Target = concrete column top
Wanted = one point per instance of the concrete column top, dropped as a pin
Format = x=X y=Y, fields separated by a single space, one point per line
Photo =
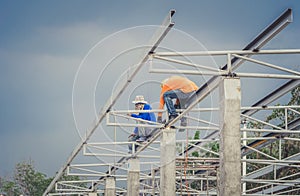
x=134 y=164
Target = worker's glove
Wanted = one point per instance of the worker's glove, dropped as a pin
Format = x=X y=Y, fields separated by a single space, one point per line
x=159 y=119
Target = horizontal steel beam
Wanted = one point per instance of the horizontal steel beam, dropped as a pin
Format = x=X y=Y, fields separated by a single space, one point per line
x=157 y=38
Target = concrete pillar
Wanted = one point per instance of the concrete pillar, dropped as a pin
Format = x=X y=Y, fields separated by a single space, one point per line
x=133 y=180
x=167 y=162
x=110 y=186
x=230 y=138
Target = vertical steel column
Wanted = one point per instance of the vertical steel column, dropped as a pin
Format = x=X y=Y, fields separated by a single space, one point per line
x=230 y=137
x=110 y=186
x=167 y=161
x=133 y=179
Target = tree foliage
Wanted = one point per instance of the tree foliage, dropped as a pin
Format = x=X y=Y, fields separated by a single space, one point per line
x=27 y=181
x=9 y=188
x=281 y=148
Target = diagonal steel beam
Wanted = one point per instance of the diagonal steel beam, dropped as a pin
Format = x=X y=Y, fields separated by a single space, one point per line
x=274 y=95
x=157 y=38
x=256 y=44
x=204 y=90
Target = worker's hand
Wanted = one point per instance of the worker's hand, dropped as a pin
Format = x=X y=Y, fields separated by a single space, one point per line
x=159 y=119
x=131 y=135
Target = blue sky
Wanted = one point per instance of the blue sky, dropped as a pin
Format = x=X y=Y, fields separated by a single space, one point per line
x=43 y=44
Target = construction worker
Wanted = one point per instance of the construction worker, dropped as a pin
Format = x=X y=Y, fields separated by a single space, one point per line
x=179 y=88
x=140 y=134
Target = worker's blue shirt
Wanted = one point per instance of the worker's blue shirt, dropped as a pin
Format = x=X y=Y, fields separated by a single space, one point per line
x=150 y=116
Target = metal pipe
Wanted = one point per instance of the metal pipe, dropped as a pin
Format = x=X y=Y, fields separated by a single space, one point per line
x=227 y=52
x=166 y=26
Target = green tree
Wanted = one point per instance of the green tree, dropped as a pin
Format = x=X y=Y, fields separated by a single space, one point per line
x=280 y=117
x=9 y=187
x=28 y=181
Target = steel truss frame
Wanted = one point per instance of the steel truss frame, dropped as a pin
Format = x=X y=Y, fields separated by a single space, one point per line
x=198 y=169
x=154 y=42
x=241 y=55
x=195 y=164
x=271 y=162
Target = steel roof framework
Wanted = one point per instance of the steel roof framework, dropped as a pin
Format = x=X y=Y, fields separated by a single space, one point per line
x=156 y=39
x=234 y=60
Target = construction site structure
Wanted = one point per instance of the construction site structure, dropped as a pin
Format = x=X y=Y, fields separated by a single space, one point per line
x=165 y=165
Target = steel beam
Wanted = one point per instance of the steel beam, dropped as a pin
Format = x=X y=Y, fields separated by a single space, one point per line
x=155 y=41
x=256 y=44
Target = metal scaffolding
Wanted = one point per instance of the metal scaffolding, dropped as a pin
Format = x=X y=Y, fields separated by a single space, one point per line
x=198 y=170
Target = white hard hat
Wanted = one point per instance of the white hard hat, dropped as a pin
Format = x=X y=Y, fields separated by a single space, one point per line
x=139 y=99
